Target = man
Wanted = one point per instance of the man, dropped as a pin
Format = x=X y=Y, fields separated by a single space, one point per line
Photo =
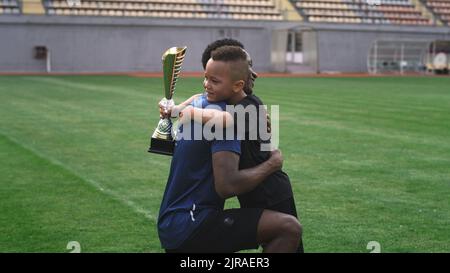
x=275 y=193
x=204 y=173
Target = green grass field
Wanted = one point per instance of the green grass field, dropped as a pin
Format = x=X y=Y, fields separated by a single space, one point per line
x=369 y=160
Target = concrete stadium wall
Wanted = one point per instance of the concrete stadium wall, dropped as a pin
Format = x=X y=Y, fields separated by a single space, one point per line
x=96 y=44
x=345 y=48
x=110 y=44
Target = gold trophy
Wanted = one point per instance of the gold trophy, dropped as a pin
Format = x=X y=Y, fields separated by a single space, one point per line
x=162 y=141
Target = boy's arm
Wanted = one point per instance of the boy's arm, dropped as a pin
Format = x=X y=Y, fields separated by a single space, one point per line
x=206 y=115
x=229 y=181
x=165 y=113
x=186 y=113
x=189 y=101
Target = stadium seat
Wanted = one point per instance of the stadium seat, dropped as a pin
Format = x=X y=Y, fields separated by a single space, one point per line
x=440 y=8
x=225 y=9
x=353 y=11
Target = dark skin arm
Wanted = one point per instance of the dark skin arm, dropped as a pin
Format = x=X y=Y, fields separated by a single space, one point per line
x=230 y=181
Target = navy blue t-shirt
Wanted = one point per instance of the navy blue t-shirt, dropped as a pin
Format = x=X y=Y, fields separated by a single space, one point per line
x=190 y=193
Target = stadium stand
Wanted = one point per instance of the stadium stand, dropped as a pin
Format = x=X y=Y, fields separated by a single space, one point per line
x=10 y=7
x=393 y=12
x=401 y=12
x=226 y=9
x=441 y=9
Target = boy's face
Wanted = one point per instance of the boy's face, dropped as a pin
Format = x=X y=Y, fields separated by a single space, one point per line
x=218 y=84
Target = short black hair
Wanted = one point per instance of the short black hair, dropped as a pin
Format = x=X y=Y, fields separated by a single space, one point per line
x=216 y=44
x=250 y=82
x=229 y=54
x=238 y=59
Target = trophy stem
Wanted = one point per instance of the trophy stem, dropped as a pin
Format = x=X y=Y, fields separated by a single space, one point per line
x=164 y=130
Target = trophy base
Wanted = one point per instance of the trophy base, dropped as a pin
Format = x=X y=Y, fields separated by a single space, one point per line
x=160 y=146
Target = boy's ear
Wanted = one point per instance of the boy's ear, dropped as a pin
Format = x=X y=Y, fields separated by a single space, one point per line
x=238 y=86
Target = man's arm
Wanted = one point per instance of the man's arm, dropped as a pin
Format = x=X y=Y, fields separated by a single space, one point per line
x=230 y=181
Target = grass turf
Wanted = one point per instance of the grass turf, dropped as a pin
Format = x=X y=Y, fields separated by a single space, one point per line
x=368 y=159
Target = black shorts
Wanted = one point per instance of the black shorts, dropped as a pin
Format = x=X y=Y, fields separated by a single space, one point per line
x=287 y=206
x=224 y=232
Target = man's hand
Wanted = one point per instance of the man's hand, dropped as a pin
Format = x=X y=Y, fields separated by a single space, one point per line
x=230 y=181
x=276 y=160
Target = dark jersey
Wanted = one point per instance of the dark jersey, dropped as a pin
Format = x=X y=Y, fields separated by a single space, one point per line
x=277 y=187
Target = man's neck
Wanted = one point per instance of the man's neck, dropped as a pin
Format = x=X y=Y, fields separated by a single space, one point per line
x=237 y=98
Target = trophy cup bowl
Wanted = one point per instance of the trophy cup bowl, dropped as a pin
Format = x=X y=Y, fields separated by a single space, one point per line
x=162 y=140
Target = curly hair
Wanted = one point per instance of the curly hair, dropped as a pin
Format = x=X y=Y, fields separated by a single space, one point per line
x=215 y=45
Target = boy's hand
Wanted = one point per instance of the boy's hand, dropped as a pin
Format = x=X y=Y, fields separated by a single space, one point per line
x=186 y=114
x=165 y=108
x=276 y=160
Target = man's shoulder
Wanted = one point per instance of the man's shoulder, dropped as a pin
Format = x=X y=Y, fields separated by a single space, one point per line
x=250 y=100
